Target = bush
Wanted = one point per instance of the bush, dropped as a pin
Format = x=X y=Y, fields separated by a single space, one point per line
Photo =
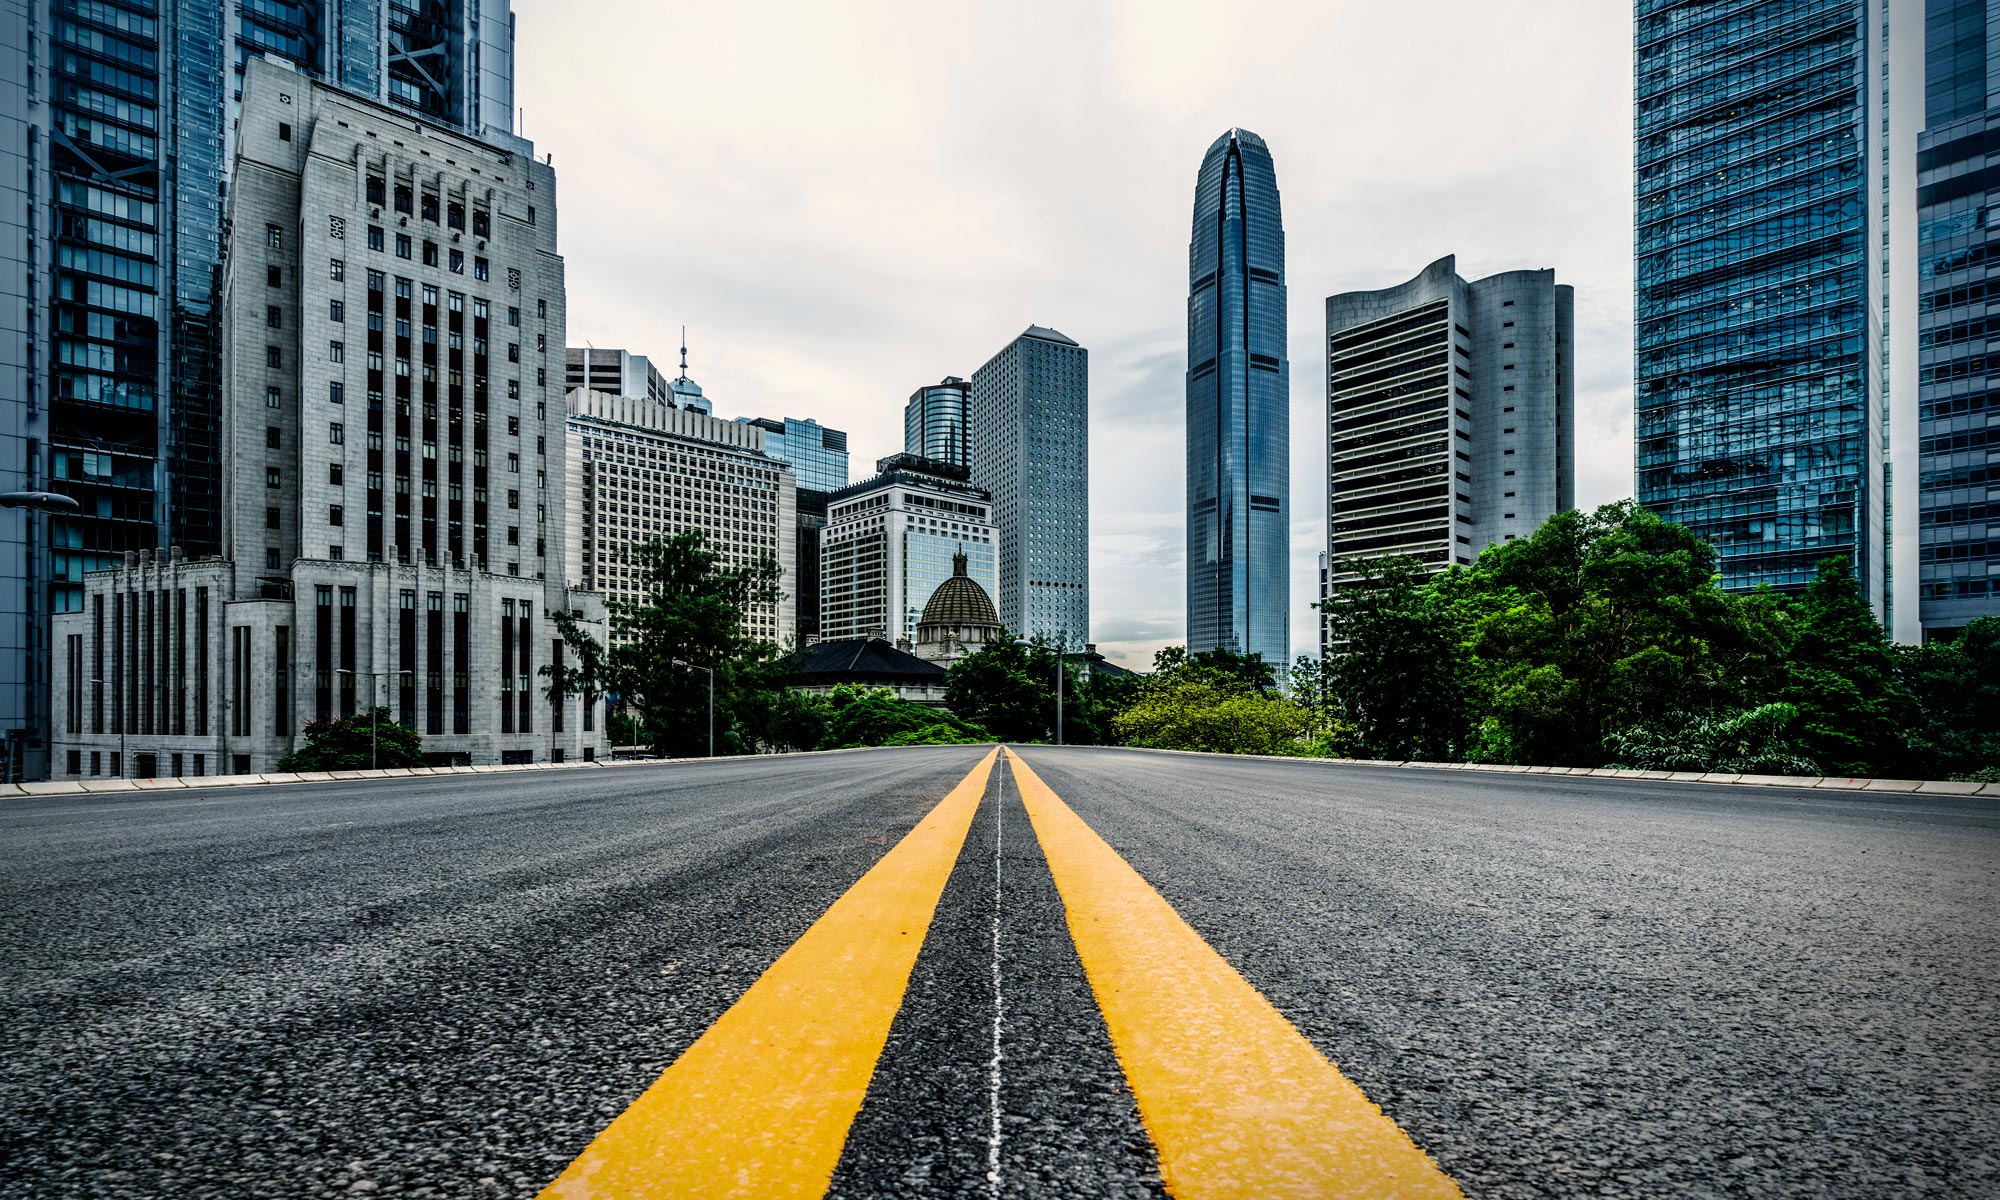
x=343 y=745
x=1754 y=742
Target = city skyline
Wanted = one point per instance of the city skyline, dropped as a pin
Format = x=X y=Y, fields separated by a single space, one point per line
x=813 y=290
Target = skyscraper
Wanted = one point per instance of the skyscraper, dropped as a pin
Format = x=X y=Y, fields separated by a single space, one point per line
x=1238 y=408
x=890 y=541
x=1030 y=447
x=1451 y=410
x=1760 y=283
x=818 y=454
x=1958 y=256
x=936 y=424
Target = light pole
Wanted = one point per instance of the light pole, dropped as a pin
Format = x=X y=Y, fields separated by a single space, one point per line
x=711 y=699
x=34 y=502
x=372 y=676
x=1062 y=651
x=118 y=715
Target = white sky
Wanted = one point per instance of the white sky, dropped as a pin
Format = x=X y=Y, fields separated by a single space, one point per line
x=846 y=201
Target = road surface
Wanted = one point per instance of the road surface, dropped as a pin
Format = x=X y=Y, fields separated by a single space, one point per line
x=1092 y=977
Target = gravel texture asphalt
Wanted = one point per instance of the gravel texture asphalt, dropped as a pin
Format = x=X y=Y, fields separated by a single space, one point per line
x=446 y=987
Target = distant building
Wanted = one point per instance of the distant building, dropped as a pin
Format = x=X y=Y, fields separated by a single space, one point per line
x=1958 y=415
x=1239 y=536
x=1451 y=413
x=870 y=663
x=818 y=455
x=644 y=472
x=936 y=422
x=805 y=586
x=1030 y=448
x=615 y=373
x=959 y=618
x=889 y=542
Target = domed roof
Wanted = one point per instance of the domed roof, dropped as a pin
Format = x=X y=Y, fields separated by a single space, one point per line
x=960 y=601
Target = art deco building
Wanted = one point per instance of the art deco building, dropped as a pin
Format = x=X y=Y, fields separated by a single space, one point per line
x=1031 y=450
x=1761 y=234
x=1238 y=408
x=392 y=317
x=645 y=471
x=937 y=422
x=890 y=541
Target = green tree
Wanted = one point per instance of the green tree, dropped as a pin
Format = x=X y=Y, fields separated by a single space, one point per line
x=1396 y=667
x=342 y=744
x=864 y=716
x=1855 y=708
x=1758 y=741
x=1205 y=710
x=1955 y=685
x=1007 y=687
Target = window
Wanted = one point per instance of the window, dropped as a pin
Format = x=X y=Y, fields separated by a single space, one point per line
x=479 y=268
x=274 y=276
x=513 y=315
x=430 y=253
x=274 y=237
x=272 y=518
x=430 y=207
x=531 y=214
x=402 y=245
x=430 y=297
x=335 y=475
x=513 y=535
x=336 y=311
x=270 y=558
x=272 y=478
x=336 y=433
x=478 y=309
x=273 y=357
x=454 y=215
x=513 y=498
x=374 y=237
x=402 y=198
x=377 y=192
x=274 y=438
x=455 y=301
x=480 y=224
x=542 y=309
x=336 y=269
x=513 y=352
x=336 y=351
x=335 y=394
x=270 y=397
x=403 y=293
x=334 y=514
x=514 y=426
x=514 y=463
x=457 y=261
x=336 y=553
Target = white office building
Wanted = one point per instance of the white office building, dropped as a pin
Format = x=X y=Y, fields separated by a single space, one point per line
x=891 y=540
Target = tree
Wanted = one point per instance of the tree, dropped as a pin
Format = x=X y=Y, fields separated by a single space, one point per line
x=1755 y=742
x=1007 y=687
x=1855 y=708
x=1955 y=686
x=690 y=615
x=342 y=744
x=1396 y=668
x=864 y=716
x=1215 y=701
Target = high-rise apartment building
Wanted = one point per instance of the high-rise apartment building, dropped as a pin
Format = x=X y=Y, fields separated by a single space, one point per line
x=644 y=472
x=1761 y=282
x=1238 y=408
x=1451 y=415
x=890 y=541
x=1030 y=449
x=392 y=313
x=818 y=455
x=937 y=424
x=615 y=373
x=1958 y=274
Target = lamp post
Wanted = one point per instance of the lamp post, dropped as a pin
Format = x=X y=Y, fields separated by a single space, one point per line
x=34 y=502
x=1062 y=652
x=711 y=699
x=372 y=677
x=118 y=714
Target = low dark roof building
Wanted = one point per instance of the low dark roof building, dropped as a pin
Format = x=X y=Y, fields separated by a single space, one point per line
x=869 y=662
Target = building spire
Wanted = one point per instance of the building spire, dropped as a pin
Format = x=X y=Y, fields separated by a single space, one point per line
x=684 y=352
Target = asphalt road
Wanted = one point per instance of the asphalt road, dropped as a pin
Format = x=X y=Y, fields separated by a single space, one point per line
x=448 y=987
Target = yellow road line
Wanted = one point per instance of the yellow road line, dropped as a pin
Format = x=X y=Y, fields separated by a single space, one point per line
x=1238 y=1103
x=761 y=1103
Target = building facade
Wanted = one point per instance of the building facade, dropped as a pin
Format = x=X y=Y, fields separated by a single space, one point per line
x=937 y=422
x=1238 y=408
x=889 y=542
x=1958 y=269
x=615 y=373
x=392 y=313
x=1451 y=415
x=1031 y=450
x=645 y=472
x=818 y=455
x=1761 y=246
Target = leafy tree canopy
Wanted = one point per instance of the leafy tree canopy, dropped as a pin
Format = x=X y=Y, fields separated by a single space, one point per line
x=342 y=744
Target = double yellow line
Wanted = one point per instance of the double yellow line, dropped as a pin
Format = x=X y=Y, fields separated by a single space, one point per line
x=1237 y=1102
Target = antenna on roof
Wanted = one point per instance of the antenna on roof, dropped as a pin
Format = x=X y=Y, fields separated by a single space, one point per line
x=684 y=351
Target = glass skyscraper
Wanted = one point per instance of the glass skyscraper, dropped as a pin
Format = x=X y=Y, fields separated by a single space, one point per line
x=1238 y=408
x=935 y=422
x=1958 y=272
x=818 y=455
x=1760 y=280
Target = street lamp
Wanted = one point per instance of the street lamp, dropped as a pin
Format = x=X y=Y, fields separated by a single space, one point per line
x=711 y=699
x=372 y=676
x=118 y=714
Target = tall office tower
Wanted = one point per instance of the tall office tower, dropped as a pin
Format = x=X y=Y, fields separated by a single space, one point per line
x=936 y=424
x=644 y=472
x=889 y=542
x=1761 y=282
x=1031 y=449
x=392 y=314
x=818 y=455
x=615 y=373
x=1451 y=415
x=1958 y=254
x=1238 y=408
x=23 y=752
x=810 y=506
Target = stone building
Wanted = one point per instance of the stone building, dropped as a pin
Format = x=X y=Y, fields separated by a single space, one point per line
x=392 y=327
x=958 y=620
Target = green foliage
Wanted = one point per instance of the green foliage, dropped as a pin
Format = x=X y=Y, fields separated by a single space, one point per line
x=1214 y=702
x=1854 y=705
x=1955 y=687
x=1399 y=670
x=864 y=716
x=1008 y=687
x=1753 y=742
x=343 y=745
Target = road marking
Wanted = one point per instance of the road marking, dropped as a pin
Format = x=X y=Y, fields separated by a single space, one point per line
x=1238 y=1103
x=999 y=1003
x=761 y=1103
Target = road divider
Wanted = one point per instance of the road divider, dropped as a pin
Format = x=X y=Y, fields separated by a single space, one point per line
x=761 y=1103
x=1237 y=1102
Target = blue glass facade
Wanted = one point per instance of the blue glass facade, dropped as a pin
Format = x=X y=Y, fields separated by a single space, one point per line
x=818 y=455
x=1758 y=284
x=1958 y=272
x=937 y=422
x=1238 y=408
